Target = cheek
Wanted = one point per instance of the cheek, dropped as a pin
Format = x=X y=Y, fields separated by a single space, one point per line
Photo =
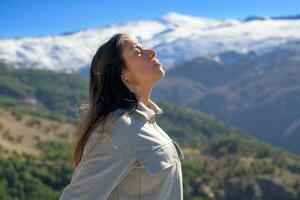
x=143 y=73
x=141 y=67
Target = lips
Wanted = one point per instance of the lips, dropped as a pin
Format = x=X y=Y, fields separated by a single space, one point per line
x=156 y=61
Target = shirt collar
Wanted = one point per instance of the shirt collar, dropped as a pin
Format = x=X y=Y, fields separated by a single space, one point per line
x=150 y=111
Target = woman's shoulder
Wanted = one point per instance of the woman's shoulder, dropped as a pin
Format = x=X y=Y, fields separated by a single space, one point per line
x=122 y=119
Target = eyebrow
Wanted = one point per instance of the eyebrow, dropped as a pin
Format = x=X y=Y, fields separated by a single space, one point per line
x=135 y=45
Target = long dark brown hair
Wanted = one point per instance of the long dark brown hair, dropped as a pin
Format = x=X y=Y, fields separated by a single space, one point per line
x=107 y=92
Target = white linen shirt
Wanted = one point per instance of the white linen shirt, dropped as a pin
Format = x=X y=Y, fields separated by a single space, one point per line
x=131 y=159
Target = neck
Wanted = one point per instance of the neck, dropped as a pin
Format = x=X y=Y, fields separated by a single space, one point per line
x=144 y=95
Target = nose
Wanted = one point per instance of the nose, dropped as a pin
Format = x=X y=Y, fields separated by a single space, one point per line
x=151 y=53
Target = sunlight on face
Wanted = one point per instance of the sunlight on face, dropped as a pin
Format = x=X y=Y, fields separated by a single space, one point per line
x=142 y=66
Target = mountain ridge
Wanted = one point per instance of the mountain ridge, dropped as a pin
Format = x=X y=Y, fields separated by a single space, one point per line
x=171 y=35
x=257 y=93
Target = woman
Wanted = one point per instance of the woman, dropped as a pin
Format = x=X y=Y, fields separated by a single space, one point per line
x=121 y=153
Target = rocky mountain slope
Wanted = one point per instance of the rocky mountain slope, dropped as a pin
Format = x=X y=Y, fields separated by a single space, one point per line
x=258 y=93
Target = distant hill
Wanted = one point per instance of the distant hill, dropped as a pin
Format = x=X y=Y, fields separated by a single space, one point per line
x=258 y=93
x=45 y=93
x=21 y=132
x=287 y=17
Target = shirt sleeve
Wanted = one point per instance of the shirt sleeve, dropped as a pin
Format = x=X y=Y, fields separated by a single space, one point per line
x=102 y=170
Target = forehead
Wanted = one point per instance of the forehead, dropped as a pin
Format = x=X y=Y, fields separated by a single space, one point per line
x=128 y=44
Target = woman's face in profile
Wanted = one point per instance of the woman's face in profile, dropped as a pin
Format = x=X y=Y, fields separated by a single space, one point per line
x=142 y=66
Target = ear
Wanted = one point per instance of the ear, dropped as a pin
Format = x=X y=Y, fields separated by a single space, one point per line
x=123 y=77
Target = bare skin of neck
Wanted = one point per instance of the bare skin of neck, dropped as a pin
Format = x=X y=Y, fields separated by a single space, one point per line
x=143 y=92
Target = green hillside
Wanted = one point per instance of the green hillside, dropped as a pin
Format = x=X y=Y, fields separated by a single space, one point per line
x=258 y=93
x=40 y=92
x=229 y=164
x=221 y=162
x=225 y=165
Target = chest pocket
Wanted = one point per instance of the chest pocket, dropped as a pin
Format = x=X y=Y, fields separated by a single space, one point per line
x=160 y=158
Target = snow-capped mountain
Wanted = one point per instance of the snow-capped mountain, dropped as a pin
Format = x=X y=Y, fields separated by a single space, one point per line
x=175 y=37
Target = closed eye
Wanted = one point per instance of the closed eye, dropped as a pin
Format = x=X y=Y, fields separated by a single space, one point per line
x=138 y=52
x=137 y=49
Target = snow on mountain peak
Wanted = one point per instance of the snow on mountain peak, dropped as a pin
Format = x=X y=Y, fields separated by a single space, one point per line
x=176 y=38
x=177 y=17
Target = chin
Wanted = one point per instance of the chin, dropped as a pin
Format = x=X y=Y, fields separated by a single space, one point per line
x=159 y=76
x=162 y=74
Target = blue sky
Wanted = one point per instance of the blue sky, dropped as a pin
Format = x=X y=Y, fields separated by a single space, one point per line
x=29 y=18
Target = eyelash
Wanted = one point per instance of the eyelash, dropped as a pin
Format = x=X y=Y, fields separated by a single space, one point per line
x=139 y=52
